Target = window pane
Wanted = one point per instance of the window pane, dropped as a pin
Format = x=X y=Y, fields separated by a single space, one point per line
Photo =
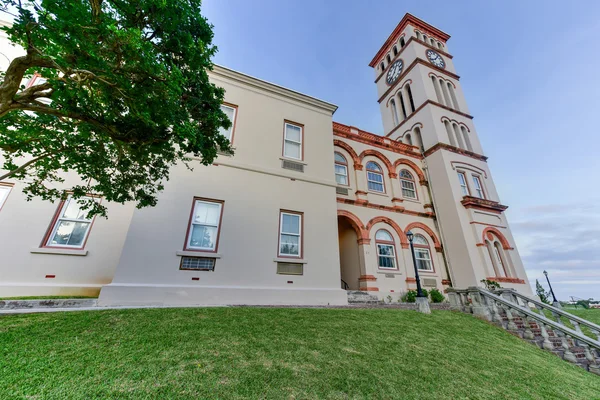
x=293 y=132
x=70 y=233
x=289 y=245
x=207 y=213
x=203 y=236
x=72 y=210
x=340 y=158
x=405 y=174
x=340 y=169
x=290 y=223
x=424 y=265
x=422 y=254
x=229 y=111
x=387 y=262
x=419 y=239
x=377 y=187
x=373 y=166
x=292 y=150
x=385 y=250
x=383 y=235
x=375 y=177
x=341 y=179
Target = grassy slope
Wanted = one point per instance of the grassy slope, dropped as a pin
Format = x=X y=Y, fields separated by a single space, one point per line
x=592 y=314
x=276 y=353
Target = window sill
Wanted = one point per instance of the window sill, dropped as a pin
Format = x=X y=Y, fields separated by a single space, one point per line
x=188 y=253
x=378 y=193
x=293 y=160
x=60 y=252
x=290 y=260
x=390 y=272
x=411 y=200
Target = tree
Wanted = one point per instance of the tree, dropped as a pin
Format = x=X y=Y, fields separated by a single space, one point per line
x=541 y=292
x=125 y=96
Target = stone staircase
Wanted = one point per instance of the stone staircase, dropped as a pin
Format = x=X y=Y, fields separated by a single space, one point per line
x=569 y=337
x=359 y=297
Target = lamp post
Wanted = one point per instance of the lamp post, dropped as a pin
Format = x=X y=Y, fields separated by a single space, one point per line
x=555 y=302
x=422 y=301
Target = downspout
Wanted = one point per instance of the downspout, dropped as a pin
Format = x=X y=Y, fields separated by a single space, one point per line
x=438 y=224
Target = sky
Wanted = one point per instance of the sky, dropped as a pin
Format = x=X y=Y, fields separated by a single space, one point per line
x=529 y=71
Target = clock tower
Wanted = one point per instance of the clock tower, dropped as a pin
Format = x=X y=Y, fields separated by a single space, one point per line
x=422 y=104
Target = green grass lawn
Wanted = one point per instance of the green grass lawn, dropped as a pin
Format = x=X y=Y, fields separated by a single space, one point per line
x=592 y=314
x=276 y=353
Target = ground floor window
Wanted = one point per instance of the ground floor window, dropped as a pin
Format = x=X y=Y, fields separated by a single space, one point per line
x=70 y=226
x=386 y=250
x=290 y=234
x=422 y=253
x=204 y=226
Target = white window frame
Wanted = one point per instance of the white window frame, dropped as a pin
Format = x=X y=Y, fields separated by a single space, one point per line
x=478 y=187
x=299 y=234
x=343 y=165
x=385 y=243
x=58 y=218
x=428 y=260
x=412 y=186
x=231 y=128
x=4 y=193
x=191 y=224
x=374 y=172
x=286 y=140
x=462 y=181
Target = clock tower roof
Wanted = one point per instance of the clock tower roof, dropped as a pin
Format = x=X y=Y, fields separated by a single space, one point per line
x=408 y=19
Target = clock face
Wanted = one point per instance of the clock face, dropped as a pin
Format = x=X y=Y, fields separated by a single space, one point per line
x=394 y=72
x=435 y=59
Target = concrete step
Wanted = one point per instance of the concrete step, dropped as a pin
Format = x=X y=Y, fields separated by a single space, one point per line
x=360 y=297
x=47 y=303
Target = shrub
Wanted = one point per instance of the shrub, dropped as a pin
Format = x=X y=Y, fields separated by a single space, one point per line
x=490 y=285
x=436 y=296
x=411 y=296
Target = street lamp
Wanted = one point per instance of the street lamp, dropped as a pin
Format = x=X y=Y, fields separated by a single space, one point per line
x=410 y=237
x=555 y=302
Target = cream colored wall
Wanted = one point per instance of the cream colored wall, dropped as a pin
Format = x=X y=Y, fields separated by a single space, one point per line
x=349 y=254
x=25 y=265
x=254 y=189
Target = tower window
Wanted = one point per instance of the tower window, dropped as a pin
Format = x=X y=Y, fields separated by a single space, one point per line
x=410 y=98
x=408 y=139
x=478 y=187
x=404 y=113
x=375 y=177
x=382 y=65
x=402 y=42
x=341 y=169
x=462 y=180
x=408 y=185
x=394 y=112
x=395 y=51
x=386 y=250
x=389 y=59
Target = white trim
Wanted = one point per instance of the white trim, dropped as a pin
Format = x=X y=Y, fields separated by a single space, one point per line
x=290 y=260
x=4 y=193
x=232 y=120
x=286 y=140
x=202 y=254
x=281 y=233
x=59 y=251
x=60 y=219
x=191 y=225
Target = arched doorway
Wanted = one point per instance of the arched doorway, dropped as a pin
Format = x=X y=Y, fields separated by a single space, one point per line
x=349 y=253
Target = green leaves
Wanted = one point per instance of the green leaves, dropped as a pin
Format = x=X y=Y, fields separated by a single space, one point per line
x=127 y=96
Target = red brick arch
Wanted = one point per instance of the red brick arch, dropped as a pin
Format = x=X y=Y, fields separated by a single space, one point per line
x=395 y=226
x=361 y=232
x=384 y=159
x=350 y=150
x=436 y=241
x=489 y=231
x=415 y=167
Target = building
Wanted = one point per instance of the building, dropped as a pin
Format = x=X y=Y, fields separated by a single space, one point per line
x=306 y=209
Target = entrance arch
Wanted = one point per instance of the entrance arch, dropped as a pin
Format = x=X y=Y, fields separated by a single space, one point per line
x=351 y=232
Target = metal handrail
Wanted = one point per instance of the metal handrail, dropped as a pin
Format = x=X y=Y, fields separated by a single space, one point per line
x=538 y=317
x=554 y=310
x=345 y=284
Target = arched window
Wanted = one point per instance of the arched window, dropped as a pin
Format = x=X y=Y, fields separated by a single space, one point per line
x=425 y=38
x=382 y=65
x=499 y=261
x=389 y=59
x=375 y=177
x=419 y=139
x=407 y=182
x=466 y=138
x=410 y=98
x=341 y=169
x=395 y=51
x=404 y=113
x=386 y=250
x=450 y=133
x=478 y=187
x=459 y=140
x=394 y=112
x=432 y=42
x=408 y=139
x=402 y=42
x=437 y=89
x=418 y=35
x=447 y=100
x=422 y=253
x=453 y=96
x=439 y=45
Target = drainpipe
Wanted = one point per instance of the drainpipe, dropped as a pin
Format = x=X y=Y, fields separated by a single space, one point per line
x=438 y=224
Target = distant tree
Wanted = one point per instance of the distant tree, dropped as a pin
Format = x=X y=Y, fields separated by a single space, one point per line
x=541 y=292
x=125 y=96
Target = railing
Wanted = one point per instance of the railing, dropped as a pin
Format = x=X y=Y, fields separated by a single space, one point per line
x=488 y=305
x=558 y=314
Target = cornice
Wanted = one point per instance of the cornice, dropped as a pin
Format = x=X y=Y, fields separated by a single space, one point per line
x=410 y=67
x=372 y=139
x=406 y=20
x=483 y=204
x=444 y=146
x=400 y=210
x=248 y=80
